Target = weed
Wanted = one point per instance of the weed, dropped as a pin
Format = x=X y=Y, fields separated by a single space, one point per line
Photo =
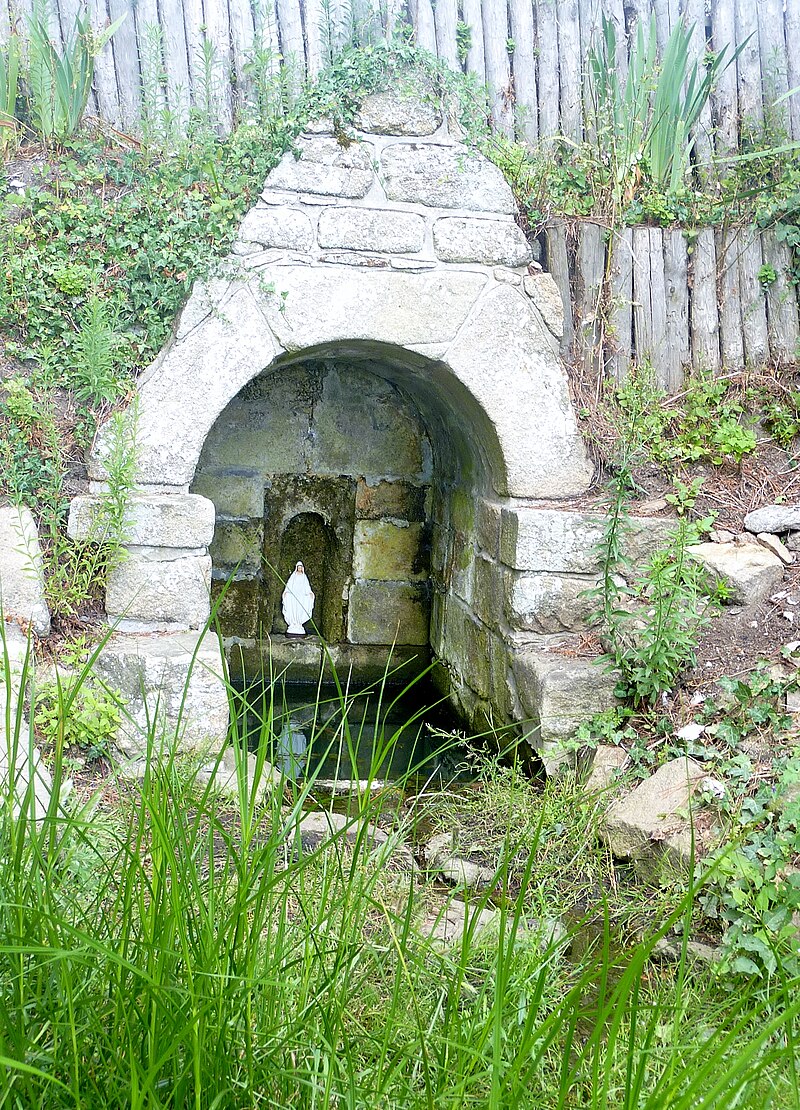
x=652 y=625
x=707 y=423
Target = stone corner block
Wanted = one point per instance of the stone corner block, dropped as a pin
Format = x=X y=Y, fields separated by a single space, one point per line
x=179 y=520
x=445 y=176
x=558 y=693
x=554 y=540
x=174 y=592
x=277 y=227
x=22 y=595
x=387 y=612
x=171 y=690
x=320 y=165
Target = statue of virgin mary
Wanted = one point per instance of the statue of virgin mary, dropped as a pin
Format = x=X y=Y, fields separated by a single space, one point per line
x=297 y=601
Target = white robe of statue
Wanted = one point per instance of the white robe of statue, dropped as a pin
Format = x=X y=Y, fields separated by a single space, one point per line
x=297 y=601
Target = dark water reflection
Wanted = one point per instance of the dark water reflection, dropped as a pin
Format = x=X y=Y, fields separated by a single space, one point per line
x=370 y=733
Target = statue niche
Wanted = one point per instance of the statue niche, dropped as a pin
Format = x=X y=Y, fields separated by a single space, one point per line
x=308 y=539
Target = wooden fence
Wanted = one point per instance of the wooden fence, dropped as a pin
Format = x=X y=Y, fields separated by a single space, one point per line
x=639 y=292
x=718 y=299
x=532 y=53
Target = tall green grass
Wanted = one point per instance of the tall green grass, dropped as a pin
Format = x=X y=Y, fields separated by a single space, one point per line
x=177 y=950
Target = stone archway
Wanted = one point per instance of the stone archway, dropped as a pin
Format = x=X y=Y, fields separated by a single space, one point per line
x=397 y=251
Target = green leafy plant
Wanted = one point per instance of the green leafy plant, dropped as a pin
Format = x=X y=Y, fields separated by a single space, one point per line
x=78 y=713
x=9 y=85
x=99 y=349
x=782 y=417
x=707 y=422
x=643 y=126
x=59 y=84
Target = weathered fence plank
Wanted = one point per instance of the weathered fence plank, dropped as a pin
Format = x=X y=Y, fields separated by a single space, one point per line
x=772 y=51
x=748 y=68
x=791 y=29
x=498 y=66
x=730 y=301
x=754 y=309
x=695 y=16
x=445 y=17
x=589 y=21
x=105 y=77
x=588 y=286
x=704 y=313
x=782 y=303
x=724 y=96
x=676 y=357
x=659 y=341
x=126 y=54
x=290 y=28
x=149 y=38
x=558 y=265
x=474 y=20
x=176 y=61
x=547 y=67
x=243 y=34
x=620 y=269
x=642 y=315
x=569 y=68
x=424 y=25
x=524 y=66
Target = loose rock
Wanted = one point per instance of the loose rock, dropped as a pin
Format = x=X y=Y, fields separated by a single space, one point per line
x=750 y=571
x=773 y=544
x=773 y=518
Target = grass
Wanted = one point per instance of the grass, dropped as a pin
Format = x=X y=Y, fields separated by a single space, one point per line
x=180 y=951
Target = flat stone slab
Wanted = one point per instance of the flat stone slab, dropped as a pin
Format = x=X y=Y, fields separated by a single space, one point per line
x=316 y=829
x=179 y=520
x=445 y=177
x=22 y=595
x=751 y=572
x=652 y=822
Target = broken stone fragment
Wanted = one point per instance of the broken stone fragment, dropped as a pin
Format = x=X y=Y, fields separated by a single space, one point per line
x=441 y=856
x=545 y=294
x=773 y=544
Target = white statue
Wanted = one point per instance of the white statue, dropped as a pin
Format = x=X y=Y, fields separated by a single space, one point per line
x=297 y=601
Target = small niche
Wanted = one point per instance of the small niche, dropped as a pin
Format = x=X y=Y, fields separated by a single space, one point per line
x=308 y=539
